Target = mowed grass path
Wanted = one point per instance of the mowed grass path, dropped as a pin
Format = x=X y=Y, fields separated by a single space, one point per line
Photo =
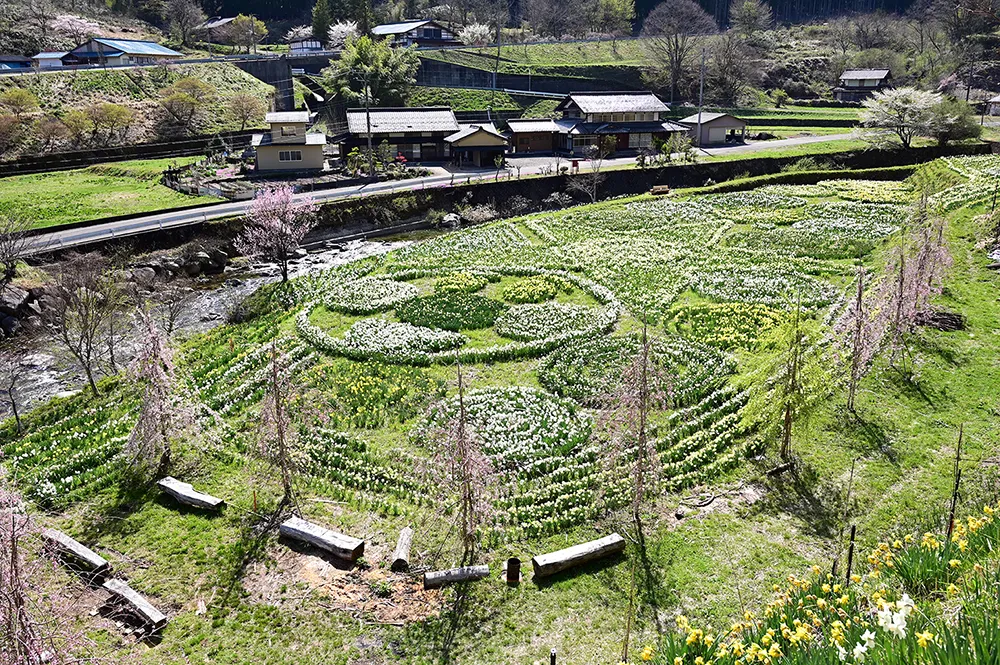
x=95 y=192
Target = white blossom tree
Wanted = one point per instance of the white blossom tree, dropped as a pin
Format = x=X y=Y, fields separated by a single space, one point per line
x=276 y=223
x=476 y=34
x=75 y=28
x=898 y=113
x=340 y=32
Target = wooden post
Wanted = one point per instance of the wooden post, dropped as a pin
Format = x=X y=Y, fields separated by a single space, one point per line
x=513 y=571
x=439 y=578
x=401 y=557
x=850 y=554
x=958 y=479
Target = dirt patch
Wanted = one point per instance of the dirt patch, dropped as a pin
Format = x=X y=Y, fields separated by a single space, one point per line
x=371 y=594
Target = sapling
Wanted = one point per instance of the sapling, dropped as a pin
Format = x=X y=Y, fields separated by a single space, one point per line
x=275 y=435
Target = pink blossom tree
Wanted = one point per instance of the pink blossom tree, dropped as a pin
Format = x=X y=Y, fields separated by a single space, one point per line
x=75 y=28
x=276 y=223
x=860 y=332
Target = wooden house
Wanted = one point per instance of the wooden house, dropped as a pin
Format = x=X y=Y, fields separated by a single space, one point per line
x=856 y=85
x=421 y=33
x=417 y=133
x=289 y=146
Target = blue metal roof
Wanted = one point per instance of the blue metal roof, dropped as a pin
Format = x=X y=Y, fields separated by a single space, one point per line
x=135 y=47
x=50 y=54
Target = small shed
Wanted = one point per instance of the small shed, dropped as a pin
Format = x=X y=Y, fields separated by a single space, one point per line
x=716 y=129
x=478 y=145
x=993 y=106
x=534 y=135
x=48 y=59
x=305 y=46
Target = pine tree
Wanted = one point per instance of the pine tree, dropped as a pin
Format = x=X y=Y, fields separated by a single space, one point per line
x=322 y=19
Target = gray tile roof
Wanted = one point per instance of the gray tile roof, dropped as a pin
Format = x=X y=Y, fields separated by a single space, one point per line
x=290 y=117
x=526 y=125
x=865 y=74
x=311 y=139
x=403 y=120
x=616 y=102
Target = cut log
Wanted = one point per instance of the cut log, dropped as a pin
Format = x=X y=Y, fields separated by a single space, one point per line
x=337 y=544
x=184 y=493
x=401 y=557
x=549 y=564
x=438 y=578
x=142 y=608
x=90 y=560
x=660 y=190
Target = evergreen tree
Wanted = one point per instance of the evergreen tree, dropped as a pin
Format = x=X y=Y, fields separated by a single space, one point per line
x=322 y=19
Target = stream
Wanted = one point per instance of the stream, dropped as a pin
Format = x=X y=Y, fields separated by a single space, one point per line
x=49 y=372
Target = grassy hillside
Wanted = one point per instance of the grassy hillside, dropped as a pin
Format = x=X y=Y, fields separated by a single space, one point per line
x=104 y=190
x=470 y=99
x=139 y=89
x=371 y=349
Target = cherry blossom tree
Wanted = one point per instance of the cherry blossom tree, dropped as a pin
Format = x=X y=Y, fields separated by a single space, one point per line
x=860 y=332
x=75 y=28
x=276 y=223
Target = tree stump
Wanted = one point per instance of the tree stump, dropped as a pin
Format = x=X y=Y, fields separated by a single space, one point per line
x=401 y=556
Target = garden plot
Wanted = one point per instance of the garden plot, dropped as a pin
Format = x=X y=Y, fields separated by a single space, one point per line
x=548 y=325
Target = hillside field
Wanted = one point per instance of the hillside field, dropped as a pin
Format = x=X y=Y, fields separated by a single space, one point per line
x=545 y=313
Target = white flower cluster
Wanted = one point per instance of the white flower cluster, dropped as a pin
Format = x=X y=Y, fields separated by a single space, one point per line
x=368 y=295
x=535 y=321
x=381 y=339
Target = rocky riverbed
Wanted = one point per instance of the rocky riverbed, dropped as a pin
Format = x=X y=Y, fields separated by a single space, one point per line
x=49 y=372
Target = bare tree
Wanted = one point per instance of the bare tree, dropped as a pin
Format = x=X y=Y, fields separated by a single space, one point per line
x=14 y=242
x=275 y=435
x=671 y=29
x=169 y=302
x=12 y=371
x=589 y=182
x=465 y=471
x=643 y=388
x=733 y=65
x=185 y=18
x=245 y=109
x=164 y=412
x=78 y=316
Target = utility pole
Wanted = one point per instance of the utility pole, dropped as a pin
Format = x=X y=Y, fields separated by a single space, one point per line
x=701 y=93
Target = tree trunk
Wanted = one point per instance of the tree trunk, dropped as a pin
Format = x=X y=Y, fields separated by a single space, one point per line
x=90 y=379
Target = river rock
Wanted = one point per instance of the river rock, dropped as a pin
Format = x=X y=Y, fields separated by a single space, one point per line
x=171 y=266
x=12 y=299
x=452 y=220
x=217 y=260
x=10 y=326
x=144 y=276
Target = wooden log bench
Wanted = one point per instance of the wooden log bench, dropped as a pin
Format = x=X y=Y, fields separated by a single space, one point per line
x=550 y=564
x=151 y=617
x=438 y=578
x=660 y=190
x=92 y=562
x=401 y=556
x=186 y=494
x=337 y=544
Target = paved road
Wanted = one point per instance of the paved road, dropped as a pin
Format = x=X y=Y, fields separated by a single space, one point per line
x=439 y=178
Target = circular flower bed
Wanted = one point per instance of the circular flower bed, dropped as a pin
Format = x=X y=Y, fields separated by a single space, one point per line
x=381 y=339
x=368 y=295
x=593 y=368
x=451 y=311
x=534 y=289
x=537 y=321
x=461 y=282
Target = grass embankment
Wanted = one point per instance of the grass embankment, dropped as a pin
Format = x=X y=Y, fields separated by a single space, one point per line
x=103 y=190
x=471 y=99
x=139 y=89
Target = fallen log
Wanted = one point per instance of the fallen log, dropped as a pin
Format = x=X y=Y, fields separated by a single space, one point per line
x=90 y=560
x=186 y=494
x=337 y=544
x=401 y=556
x=141 y=607
x=549 y=564
x=438 y=578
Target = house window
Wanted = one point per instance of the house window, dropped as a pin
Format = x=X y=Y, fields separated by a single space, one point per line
x=427 y=133
x=522 y=140
x=583 y=141
x=288 y=130
x=416 y=151
x=630 y=117
x=616 y=117
x=640 y=140
x=290 y=156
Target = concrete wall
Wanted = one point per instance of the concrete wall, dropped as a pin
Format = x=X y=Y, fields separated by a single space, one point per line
x=276 y=72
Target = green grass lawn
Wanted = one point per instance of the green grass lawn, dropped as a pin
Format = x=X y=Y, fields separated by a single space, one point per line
x=472 y=99
x=103 y=190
